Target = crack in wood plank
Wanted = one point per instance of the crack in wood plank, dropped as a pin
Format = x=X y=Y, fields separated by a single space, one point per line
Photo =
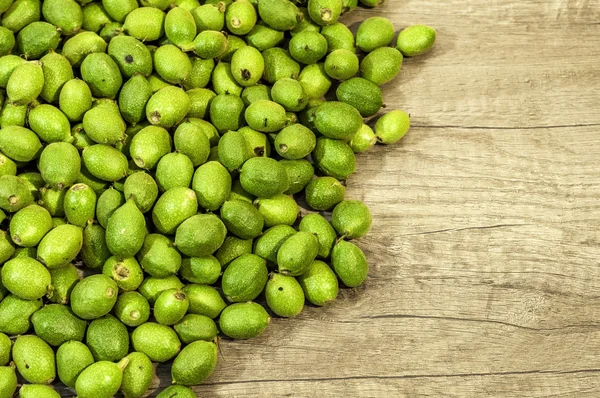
x=409 y=376
x=439 y=231
x=450 y=126
x=458 y=319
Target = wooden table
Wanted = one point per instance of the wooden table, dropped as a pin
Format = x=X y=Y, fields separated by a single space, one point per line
x=485 y=246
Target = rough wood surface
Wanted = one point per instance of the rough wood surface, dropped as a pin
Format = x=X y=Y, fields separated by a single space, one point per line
x=485 y=243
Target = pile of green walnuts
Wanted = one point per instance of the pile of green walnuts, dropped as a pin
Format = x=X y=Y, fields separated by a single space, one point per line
x=152 y=156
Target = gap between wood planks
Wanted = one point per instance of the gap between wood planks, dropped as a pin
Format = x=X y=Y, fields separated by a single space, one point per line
x=417 y=376
x=450 y=318
x=424 y=126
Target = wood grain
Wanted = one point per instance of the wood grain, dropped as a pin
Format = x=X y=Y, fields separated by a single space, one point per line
x=485 y=244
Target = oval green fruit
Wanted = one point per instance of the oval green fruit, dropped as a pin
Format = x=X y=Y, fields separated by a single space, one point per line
x=104 y=125
x=240 y=17
x=126 y=272
x=15 y=314
x=158 y=256
x=119 y=9
x=37 y=38
x=107 y=339
x=56 y=324
x=145 y=23
x=8 y=381
x=245 y=278
x=133 y=98
x=341 y=64
x=204 y=300
x=324 y=12
x=57 y=71
x=63 y=281
x=232 y=248
x=5 y=348
x=392 y=126
x=362 y=94
x=194 y=363
x=109 y=201
x=102 y=74
x=94 y=297
x=29 y=225
x=317 y=225
x=247 y=66
x=131 y=55
x=66 y=14
x=37 y=391
x=266 y=116
x=80 y=205
x=268 y=244
x=382 y=65
x=244 y=320
x=264 y=177
x=132 y=309
x=167 y=107
x=323 y=193
x=126 y=230
x=334 y=158
x=351 y=219
x=280 y=209
x=176 y=391
x=212 y=184
x=193 y=327
x=263 y=37
x=26 y=278
x=299 y=173
x=319 y=283
x=105 y=162
x=78 y=47
x=202 y=270
x=279 y=14
x=49 y=123
x=75 y=99
x=295 y=142
x=363 y=140
x=284 y=295
x=100 y=380
x=338 y=37
x=72 y=358
x=60 y=246
x=373 y=33
x=159 y=342
x=190 y=140
x=19 y=143
x=137 y=375
x=349 y=263
x=172 y=208
x=416 y=40
x=279 y=64
x=25 y=83
x=14 y=193
x=200 y=235
x=242 y=219
x=34 y=359
x=142 y=188
x=170 y=306
x=297 y=253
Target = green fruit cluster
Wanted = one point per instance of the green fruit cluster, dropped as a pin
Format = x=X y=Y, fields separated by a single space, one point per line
x=161 y=148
